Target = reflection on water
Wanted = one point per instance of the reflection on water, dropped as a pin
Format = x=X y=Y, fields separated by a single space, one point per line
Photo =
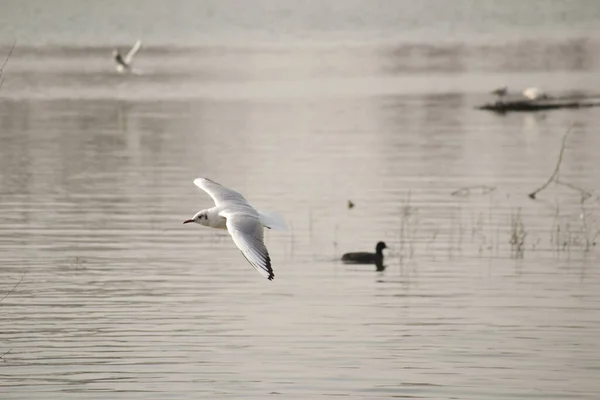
x=487 y=294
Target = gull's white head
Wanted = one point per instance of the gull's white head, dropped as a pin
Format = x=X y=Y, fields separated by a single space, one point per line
x=201 y=217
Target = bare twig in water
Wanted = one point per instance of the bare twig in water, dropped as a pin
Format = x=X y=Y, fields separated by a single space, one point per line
x=4 y=64
x=5 y=354
x=584 y=193
x=13 y=288
x=556 y=168
x=408 y=230
x=468 y=190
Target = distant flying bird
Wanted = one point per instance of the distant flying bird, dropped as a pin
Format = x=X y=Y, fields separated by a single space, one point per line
x=350 y=204
x=125 y=64
x=243 y=222
x=534 y=93
x=500 y=92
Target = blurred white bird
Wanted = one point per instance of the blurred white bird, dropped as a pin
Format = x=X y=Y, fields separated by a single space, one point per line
x=243 y=222
x=534 y=93
x=125 y=64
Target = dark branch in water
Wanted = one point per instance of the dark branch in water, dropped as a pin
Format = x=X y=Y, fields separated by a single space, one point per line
x=537 y=105
x=13 y=288
x=4 y=64
x=556 y=168
x=584 y=193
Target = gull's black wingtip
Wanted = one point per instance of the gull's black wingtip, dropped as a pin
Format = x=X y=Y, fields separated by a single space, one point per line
x=270 y=269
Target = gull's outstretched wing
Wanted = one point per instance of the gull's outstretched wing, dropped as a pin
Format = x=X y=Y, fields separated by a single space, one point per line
x=220 y=194
x=134 y=49
x=247 y=234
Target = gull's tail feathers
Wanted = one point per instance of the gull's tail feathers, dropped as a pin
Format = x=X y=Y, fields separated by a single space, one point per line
x=272 y=220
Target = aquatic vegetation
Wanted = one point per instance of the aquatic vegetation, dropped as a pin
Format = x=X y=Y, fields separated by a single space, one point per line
x=517 y=234
x=4 y=63
x=409 y=226
x=499 y=225
x=13 y=288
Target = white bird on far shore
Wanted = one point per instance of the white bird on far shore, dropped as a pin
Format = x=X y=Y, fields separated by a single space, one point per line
x=534 y=93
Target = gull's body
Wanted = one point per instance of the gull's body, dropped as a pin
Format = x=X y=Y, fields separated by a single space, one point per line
x=243 y=222
x=125 y=63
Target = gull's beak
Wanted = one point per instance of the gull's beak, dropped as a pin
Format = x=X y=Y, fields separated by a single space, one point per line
x=188 y=221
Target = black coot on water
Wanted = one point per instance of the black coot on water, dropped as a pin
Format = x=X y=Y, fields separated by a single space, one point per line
x=366 y=257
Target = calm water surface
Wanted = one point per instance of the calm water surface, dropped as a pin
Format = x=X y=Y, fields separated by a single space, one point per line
x=487 y=294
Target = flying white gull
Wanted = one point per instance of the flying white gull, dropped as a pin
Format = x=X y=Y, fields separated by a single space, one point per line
x=243 y=222
x=124 y=64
